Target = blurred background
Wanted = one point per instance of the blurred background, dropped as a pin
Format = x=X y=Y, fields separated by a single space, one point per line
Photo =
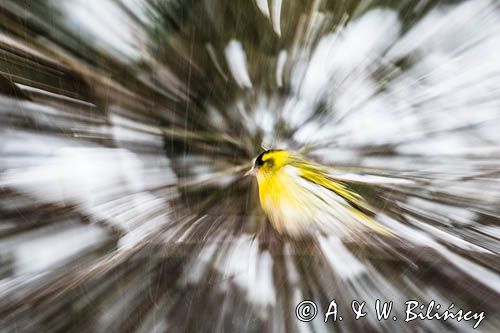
x=126 y=127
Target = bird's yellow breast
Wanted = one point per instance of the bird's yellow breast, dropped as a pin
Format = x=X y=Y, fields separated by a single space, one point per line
x=275 y=188
x=283 y=201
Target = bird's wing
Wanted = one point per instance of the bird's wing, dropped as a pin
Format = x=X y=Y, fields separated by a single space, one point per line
x=357 y=205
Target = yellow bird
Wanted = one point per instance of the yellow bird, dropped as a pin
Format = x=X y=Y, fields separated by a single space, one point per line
x=299 y=196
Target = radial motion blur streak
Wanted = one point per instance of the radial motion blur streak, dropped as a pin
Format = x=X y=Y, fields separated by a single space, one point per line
x=126 y=127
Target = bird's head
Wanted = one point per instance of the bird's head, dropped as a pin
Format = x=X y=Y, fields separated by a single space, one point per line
x=269 y=162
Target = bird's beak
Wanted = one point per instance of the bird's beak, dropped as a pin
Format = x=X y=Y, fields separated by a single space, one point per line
x=251 y=172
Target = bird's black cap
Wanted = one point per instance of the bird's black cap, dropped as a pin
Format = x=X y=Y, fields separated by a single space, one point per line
x=259 y=161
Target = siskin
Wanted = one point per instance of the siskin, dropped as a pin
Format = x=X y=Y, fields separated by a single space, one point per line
x=299 y=196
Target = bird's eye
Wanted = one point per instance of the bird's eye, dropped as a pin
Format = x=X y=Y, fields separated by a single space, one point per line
x=269 y=162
